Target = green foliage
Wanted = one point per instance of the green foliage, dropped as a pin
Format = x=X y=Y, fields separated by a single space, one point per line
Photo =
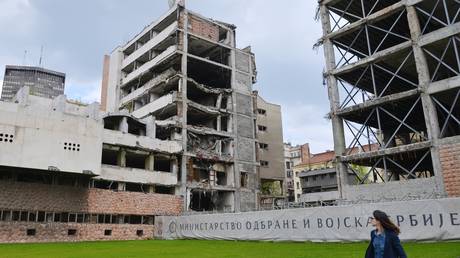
x=272 y=188
x=213 y=249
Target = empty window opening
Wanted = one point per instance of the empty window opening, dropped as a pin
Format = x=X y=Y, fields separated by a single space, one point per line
x=31 y=231
x=262 y=128
x=103 y=184
x=263 y=146
x=162 y=164
x=135 y=160
x=112 y=123
x=224 y=123
x=32 y=216
x=109 y=157
x=264 y=163
x=202 y=200
x=72 y=232
x=135 y=127
x=261 y=111
x=221 y=178
x=23 y=216
x=132 y=187
x=139 y=233
x=107 y=232
x=41 y=216
x=164 y=189
x=244 y=179
x=134 y=219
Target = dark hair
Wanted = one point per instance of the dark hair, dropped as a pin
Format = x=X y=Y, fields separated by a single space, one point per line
x=387 y=224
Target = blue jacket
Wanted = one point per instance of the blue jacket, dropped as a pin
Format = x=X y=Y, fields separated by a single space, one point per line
x=392 y=249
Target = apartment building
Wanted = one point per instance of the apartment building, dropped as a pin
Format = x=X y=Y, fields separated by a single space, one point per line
x=293 y=156
x=270 y=148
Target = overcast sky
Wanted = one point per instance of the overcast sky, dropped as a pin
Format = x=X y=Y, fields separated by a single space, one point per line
x=76 y=35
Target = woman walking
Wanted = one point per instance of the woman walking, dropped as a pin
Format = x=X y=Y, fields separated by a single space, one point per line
x=384 y=239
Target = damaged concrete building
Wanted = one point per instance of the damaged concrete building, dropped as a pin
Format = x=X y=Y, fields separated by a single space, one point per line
x=392 y=72
x=69 y=172
x=184 y=75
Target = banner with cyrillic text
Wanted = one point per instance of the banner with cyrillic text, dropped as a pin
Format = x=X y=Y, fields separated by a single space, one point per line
x=420 y=220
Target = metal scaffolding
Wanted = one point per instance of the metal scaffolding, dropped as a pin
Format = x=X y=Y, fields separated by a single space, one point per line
x=392 y=71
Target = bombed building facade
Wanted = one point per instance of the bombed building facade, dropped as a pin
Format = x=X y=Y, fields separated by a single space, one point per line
x=184 y=74
x=392 y=72
x=69 y=172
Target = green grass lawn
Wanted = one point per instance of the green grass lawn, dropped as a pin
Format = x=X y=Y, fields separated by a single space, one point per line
x=205 y=249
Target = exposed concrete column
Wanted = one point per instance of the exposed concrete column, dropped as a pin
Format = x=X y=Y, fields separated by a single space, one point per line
x=219 y=123
x=174 y=166
x=151 y=189
x=234 y=128
x=183 y=87
x=150 y=128
x=150 y=162
x=124 y=125
x=219 y=101
x=429 y=108
x=334 y=99
x=121 y=158
x=121 y=186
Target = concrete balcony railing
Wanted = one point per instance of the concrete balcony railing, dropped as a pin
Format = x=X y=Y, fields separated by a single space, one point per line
x=150 y=45
x=156 y=105
x=118 y=138
x=140 y=176
x=147 y=66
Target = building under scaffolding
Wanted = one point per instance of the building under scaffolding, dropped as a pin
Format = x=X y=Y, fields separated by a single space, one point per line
x=392 y=72
x=185 y=73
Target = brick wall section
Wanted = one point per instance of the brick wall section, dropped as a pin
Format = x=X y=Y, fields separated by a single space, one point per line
x=54 y=198
x=203 y=28
x=100 y=200
x=16 y=232
x=450 y=162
